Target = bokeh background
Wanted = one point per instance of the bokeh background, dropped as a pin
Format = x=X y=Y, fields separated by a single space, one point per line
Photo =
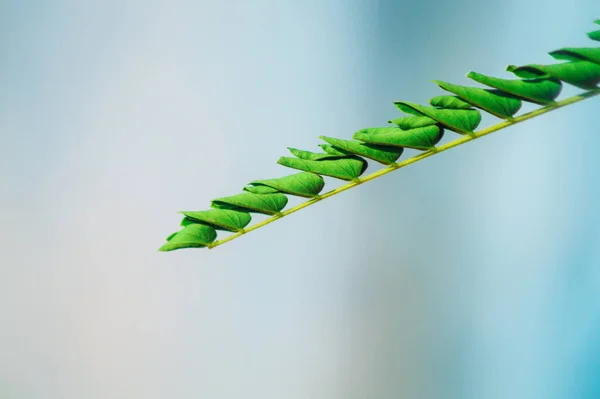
x=474 y=274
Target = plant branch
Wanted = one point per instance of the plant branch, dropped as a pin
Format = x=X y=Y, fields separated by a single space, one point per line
x=455 y=143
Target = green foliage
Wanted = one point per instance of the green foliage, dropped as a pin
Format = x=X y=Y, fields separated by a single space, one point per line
x=194 y=235
x=270 y=203
x=420 y=138
x=379 y=153
x=412 y=122
x=304 y=184
x=595 y=35
x=539 y=91
x=338 y=165
x=495 y=102
x=422 y=129
x=222 y=219
x=458 y=119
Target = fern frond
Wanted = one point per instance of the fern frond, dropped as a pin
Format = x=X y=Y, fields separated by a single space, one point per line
x=421 y=129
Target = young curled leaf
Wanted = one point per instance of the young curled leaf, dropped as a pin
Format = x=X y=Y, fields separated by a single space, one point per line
x=493 y=101
x=449 y=102
x=538 y=91
x=314 y=156
x=191 y=236
x=341 y=168
x=337 y=151
x=261 y=189
x=422 y=138
x=583 y=74
x=577 y=54
x=412 y=122
x=462 y=121
x=226 y=219
x=595 y=35
x=383 y=154
x=270 y=204
x=303 y=184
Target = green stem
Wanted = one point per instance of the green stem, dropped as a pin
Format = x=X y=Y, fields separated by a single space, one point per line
x=461 y=140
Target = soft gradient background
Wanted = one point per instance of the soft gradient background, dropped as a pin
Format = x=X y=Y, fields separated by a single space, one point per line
x=474 y=274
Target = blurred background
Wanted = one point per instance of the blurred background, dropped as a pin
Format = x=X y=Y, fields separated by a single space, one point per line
x=474 y=274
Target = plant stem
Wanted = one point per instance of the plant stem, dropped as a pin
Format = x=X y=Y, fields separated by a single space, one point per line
x=455 y=143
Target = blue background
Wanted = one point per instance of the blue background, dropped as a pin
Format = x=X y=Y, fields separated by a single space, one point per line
x=473 y=274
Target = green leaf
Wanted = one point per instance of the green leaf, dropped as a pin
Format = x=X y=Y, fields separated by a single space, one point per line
x=538 y=91
x=461 y=121
x=313 y=156
x=412 y=122
x=422 y=138
x=385 y=155
x=171 y=236
x=450 y=102
x=226 y=219
x=270 y=204
x=186 y=222
x=349 y=168
x=331 y=150
x=192 y=236
x=577 y=54
x=583 y=74
x=260 y=189
x=493 y=101
x=596 y=34
x=303 y=184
